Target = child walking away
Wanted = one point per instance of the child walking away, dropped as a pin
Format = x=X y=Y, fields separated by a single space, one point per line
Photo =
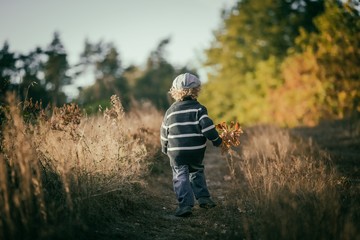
x=184 y=132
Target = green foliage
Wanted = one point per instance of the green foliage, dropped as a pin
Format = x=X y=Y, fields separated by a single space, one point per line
x=156 y=81
x=246 y=56
x=7 y=69
x=32 y=84
x=39 y=75
x=155 y=84
x=157 y=78
x=336 y=47
x=288 y=62
x=42 y=74
x=108 y=73
x=255 y=30
x=251 y=90
x=94 y=107
x=55 y=70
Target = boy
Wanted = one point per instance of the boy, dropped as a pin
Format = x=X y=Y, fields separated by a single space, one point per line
x=184 y=131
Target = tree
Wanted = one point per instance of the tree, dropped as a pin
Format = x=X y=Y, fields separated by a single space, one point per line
x=7 y=69
x=255 y=30
x=157 y=78
x=23 y=73
x=300 y=99
x=56 y=70
x=31 y=73
x=321 y=77
x=336 y=46
x=109 y=79
x=247 y=52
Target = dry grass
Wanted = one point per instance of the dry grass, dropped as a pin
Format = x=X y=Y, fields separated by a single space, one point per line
x=66 y=171
x=22 y=204
x=287 y=188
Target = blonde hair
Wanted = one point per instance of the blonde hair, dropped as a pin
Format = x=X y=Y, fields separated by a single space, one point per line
x=179 y=95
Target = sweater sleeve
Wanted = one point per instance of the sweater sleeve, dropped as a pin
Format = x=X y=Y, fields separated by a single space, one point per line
x=164 y=136
x=208 y=128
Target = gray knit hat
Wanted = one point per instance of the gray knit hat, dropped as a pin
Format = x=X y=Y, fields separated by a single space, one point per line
x=186 y=81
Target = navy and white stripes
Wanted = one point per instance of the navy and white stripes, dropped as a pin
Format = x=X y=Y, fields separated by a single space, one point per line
x=184 y=131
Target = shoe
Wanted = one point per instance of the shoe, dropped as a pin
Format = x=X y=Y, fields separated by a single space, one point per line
x=206 y=202
x=183 y=211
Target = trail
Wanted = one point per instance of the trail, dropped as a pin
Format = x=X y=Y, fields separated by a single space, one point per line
x=156 y=219
x=153 y=217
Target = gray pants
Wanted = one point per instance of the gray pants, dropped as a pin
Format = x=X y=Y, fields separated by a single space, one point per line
x=189 y=181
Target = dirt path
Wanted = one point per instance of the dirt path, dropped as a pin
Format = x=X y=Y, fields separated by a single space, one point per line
x=156 y=219
x=152 y=214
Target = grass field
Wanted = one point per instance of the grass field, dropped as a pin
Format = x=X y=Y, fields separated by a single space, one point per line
x=293 y=188
x=66 y=175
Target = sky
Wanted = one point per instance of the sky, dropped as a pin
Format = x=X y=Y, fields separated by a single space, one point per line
x=134 y=26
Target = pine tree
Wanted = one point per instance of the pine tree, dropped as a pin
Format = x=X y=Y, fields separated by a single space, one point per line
x=7 y=69
x=56 y=69
x=157 y=78
x=105 y=61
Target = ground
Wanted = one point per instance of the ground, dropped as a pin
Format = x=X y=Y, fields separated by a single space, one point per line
x=155 y=218
x=341 y=139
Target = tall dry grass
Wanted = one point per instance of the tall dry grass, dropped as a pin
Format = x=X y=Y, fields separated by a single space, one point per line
x=65 y=172
x=22 y=204
x=287 y=188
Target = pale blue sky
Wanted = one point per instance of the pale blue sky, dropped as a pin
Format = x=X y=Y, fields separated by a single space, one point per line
x=134 y=26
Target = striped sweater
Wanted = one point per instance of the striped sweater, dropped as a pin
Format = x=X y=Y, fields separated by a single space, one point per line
x=184 y=131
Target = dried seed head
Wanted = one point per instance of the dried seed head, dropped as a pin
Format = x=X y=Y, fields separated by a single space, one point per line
x=230 y=135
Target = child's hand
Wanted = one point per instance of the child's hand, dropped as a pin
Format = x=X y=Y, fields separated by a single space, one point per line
x=217 y=142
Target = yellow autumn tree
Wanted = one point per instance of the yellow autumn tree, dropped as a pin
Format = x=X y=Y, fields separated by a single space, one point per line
x=336 y=46
x=245 y=56
x=300 y=99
